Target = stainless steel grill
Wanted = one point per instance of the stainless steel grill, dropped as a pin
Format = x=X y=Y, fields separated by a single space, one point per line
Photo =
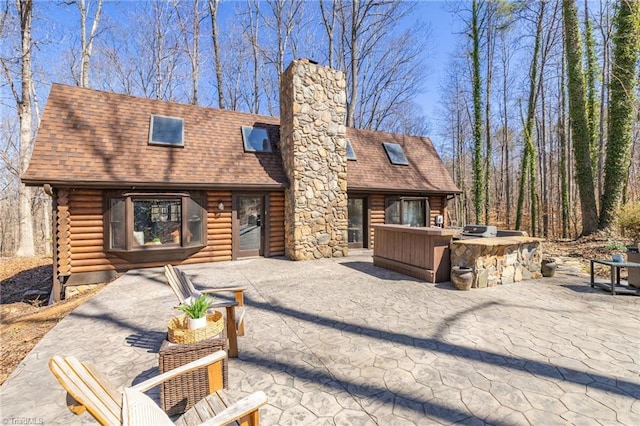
x=479 y=231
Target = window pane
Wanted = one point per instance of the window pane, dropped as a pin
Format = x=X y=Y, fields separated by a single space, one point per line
x=395 y=154
x=392 y=213
x=413 y=213
x=166 y=130
x=355 y=207
x=116 y=223
x=156 y=221
x=351 y=154
x=195 y=221
x=256 y=139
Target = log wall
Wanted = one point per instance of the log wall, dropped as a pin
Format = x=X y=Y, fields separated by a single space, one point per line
x=276 y=224
x=80 y=231
x=80 y=234
x=376 y=207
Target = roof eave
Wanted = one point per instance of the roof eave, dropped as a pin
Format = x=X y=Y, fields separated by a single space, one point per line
x=354 y=188
x=134 y=184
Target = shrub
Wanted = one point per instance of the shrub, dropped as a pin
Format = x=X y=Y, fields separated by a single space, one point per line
x=629 y=221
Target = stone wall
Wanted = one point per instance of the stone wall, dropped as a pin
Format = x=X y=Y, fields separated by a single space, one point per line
x=313 y=146
x=498 y=261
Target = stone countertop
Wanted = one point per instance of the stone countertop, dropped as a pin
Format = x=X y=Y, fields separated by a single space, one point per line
x=432 y=230
x=498 y=241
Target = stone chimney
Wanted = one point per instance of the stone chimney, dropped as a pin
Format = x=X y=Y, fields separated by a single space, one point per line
x=313 y=146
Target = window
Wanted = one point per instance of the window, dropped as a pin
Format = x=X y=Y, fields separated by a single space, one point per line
x=155 y=221
x=412 y=211
x=166 y=131
x=395 y=154
x=255 y=139
x=351 y=154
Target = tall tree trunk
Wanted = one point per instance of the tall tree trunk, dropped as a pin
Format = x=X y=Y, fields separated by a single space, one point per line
x=195 y=58
x=477 y=114
x=328 y=20
x=505 y=142
x=87 y=41
x=621 y=105
x=355 y=23
x=213 y=10
x=26 y=246
x=562 y=134
x=592 y=64
x=578 y=118
x=529 y=155
x=487 y=110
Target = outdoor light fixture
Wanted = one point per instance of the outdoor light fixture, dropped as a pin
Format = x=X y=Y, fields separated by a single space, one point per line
x=220 y=205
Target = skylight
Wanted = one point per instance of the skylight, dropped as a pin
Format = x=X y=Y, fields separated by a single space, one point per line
x=256 y=139
x=166 y=131
x=351 y=154
x=395 y=154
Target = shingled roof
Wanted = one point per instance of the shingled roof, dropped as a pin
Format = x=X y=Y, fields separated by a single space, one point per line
x=94 y=138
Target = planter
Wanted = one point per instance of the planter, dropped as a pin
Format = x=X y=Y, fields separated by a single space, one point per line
x=196 y=323
x=462 y=277
x=548 y=268
x=617 y=257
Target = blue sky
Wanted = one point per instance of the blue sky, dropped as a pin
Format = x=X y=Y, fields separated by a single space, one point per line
x=443 y=37
x=442 y=43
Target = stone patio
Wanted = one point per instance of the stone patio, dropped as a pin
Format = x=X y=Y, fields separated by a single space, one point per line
x=339 y=341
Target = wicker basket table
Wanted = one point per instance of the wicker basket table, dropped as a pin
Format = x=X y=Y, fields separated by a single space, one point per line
x=181 y=393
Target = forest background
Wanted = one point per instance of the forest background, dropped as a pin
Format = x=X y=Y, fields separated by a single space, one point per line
x=526 y=107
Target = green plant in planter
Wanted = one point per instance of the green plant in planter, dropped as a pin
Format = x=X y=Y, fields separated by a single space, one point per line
x=197 y=308
x=617 y=249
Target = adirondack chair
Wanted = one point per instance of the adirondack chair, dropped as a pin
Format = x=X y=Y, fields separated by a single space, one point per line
x=184 y=290
x=88 y=390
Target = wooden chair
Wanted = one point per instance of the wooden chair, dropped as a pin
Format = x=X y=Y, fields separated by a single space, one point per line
x=235 y=311
x=88 y=390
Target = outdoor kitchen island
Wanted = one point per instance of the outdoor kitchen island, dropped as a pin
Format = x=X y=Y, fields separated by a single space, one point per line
x=499 y=260
x=421 y=252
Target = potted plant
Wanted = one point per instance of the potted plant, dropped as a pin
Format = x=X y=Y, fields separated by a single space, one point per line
x=196 y=310
x=617 y=249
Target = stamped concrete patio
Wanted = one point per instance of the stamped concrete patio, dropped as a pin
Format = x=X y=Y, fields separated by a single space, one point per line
x=339 y=341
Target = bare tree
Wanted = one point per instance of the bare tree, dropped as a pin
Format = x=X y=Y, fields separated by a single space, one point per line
x=23 y=102
x=86 y=40
x=215 y=36
x=189 y=23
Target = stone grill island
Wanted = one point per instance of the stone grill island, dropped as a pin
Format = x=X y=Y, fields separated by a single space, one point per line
x=499 y=260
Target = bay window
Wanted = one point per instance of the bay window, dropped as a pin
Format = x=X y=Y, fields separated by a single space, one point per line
x=150 y=221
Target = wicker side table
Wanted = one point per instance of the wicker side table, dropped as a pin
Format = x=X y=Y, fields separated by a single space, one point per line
x=179 y=394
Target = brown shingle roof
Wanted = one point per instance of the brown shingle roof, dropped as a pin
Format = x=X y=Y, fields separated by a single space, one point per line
x=372 y=170
x=89 y=137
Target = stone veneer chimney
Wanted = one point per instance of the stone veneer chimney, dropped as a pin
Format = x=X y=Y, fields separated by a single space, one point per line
x=313 y=146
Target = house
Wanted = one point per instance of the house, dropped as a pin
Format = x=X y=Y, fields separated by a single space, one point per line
x=140 y=183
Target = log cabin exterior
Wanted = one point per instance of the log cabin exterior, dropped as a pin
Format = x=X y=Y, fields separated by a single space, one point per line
x=199 y=188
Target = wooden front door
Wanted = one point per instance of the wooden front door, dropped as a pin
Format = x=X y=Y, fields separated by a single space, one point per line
x=248 y=225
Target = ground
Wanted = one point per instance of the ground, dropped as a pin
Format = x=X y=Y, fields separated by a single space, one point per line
x=26 y=320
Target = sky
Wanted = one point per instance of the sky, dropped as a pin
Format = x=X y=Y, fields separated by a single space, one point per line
x=443 y=27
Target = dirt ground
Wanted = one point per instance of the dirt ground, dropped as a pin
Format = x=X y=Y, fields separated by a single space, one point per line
x=24 y=320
